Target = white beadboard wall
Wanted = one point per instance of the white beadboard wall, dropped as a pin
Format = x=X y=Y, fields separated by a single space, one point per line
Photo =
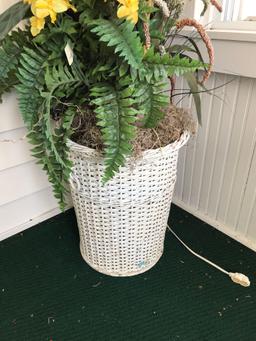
x=217 y=169
x=26 y=196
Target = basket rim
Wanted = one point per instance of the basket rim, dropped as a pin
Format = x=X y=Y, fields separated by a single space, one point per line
x=93 y=153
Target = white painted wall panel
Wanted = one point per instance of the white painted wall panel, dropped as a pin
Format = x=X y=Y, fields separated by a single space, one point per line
x=217 y=170
x=25 y=195
x=6 y=3
x=22 y=213
x=20 y=181
x=10 y=117
x=247 y=218
x=14 y=148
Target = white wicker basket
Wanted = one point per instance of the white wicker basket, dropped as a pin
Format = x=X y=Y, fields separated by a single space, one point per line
x=122 y=224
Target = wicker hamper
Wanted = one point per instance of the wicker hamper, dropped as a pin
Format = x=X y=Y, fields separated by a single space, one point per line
x=122 y=224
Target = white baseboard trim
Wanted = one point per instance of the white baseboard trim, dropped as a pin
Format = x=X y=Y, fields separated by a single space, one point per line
x=251 y=244
x=31 y=222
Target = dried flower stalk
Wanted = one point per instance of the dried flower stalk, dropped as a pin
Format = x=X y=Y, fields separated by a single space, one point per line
x=163 y=6
x=147 y=35
x=200 y=29
x=216 y=4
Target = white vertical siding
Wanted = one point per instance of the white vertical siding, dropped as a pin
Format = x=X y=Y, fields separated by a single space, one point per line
x=217 y=170
x=25 y=197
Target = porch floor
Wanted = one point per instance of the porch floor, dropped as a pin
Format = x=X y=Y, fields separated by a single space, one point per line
x=48 y=293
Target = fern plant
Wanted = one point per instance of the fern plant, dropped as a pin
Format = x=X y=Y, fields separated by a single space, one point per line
x=116 y=116
x=112 y=58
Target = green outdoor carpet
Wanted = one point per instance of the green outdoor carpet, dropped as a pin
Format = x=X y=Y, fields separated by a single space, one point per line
x=48 y=293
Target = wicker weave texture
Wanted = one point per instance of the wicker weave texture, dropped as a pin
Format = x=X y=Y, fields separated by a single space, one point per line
x=122 y=224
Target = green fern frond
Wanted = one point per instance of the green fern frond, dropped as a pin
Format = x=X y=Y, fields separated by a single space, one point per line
x=153 y=98
x=31 y=77
x=121 y=36
x=62 y=79
x=103 y=71
x=8 y=57
x=159 y=66
x=116 y=117
x=39 y=90
x=60 y=82
x=6 y=85
x=10 y=50
x=180 y=65
x=58 y=174
x=36 y=137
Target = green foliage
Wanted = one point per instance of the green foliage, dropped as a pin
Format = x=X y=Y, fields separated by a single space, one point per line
x=31 y=80
x=54 y=39
x=159 y=66
x=122 y=37
x=10 y=51
x=194 y=88
x=38 y=91
x=181 y=65
x=11 y=17
x=190 y=45
x=145 y=10
x=58 y=174
x=116 y=117
x=60 y=82
x=206 y=5
x=153 y=98
x=111 y=75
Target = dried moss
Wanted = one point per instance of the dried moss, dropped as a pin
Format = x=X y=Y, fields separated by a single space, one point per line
x=86 y=131
x=176 y=121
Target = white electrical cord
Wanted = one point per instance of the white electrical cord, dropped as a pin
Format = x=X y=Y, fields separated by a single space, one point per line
x=235 y=276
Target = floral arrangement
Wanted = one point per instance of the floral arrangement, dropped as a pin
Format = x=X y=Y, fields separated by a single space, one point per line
x=112 y=58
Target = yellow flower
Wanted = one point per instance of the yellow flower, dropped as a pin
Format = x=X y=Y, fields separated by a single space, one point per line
x=37 y=24
x=44 y=8
x=128 y=9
